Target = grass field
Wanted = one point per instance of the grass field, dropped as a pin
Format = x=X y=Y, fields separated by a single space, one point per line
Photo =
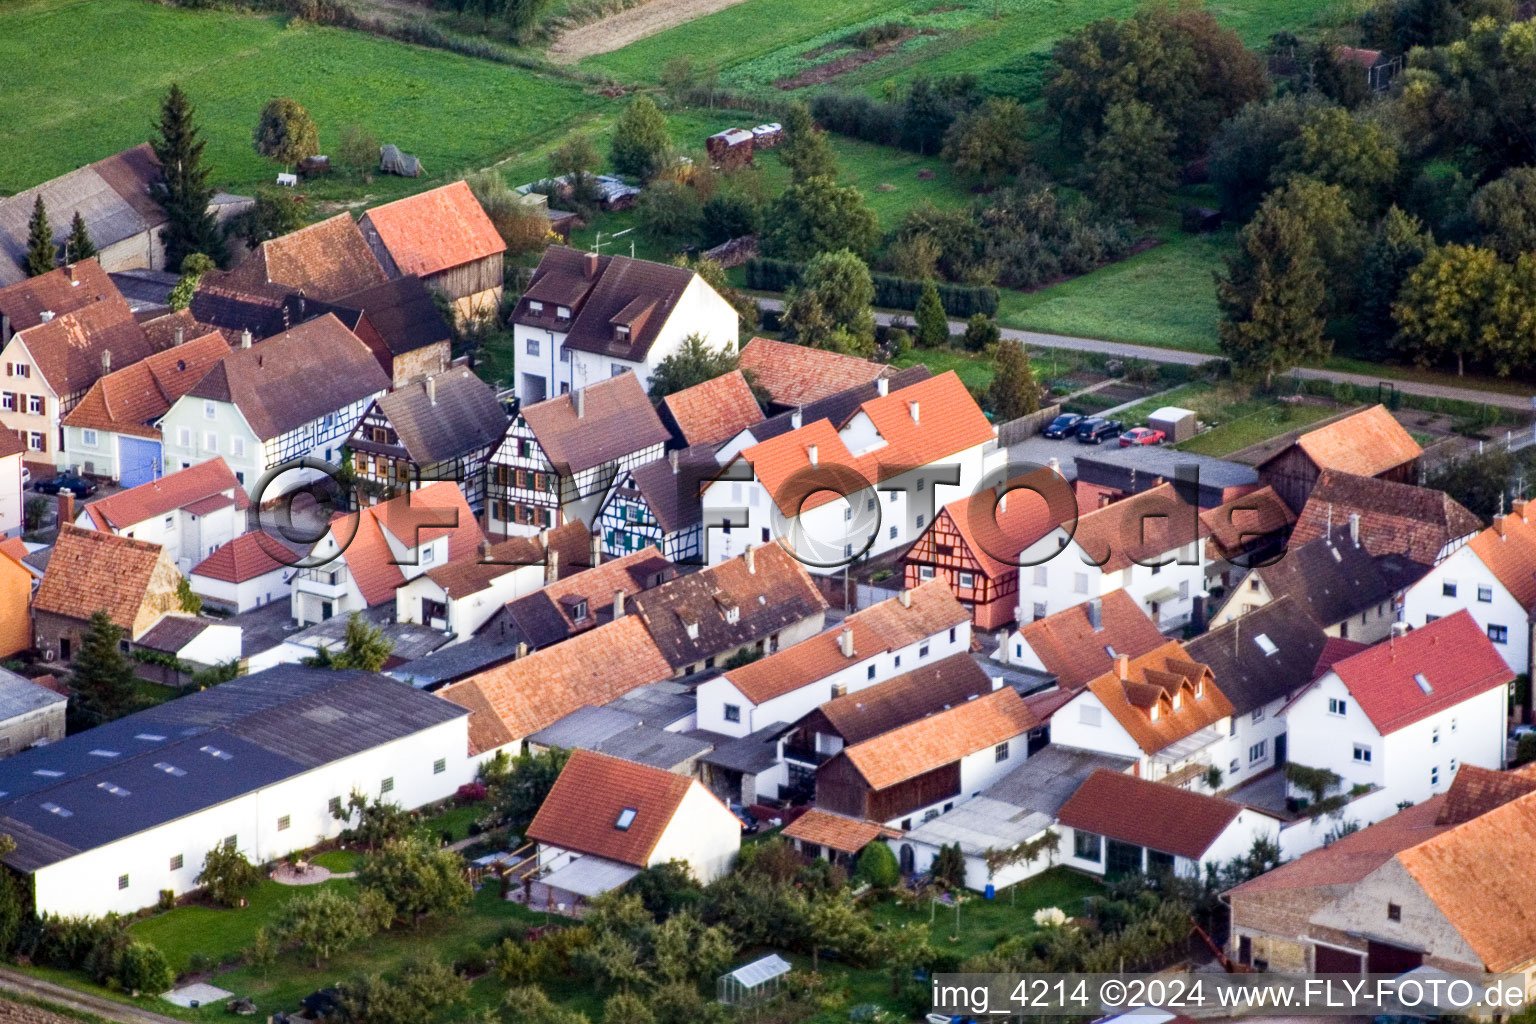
x=80 y=81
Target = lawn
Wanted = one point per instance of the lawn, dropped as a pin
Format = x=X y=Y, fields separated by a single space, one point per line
x=1239 y=417
x=975 y=370
x=452 y=111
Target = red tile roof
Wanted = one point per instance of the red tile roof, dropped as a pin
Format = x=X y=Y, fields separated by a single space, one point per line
x=836 y=831
x=1508 y=549
x=435 y=230
x=941 y=738
x=1367 y=443
x=1475 y=791
x=1394 y=517
x=996 y=532
x=1139 y=528
x=326 y=261
x=167 y=494
x=1453 y=655
x=714 y=411
x=413 y=519
x=1149 y=814
x=127 y=401
x=11 y=443
x=615 y=420
x=882 y=627
x=1336 y=648
x=1074 y=652
x=59 y=291
x=797 y=375
x=1247 y=520
x=68 y=349
x=1151 y=682
x=583 y=807
x=246 y=557
x=90 y=571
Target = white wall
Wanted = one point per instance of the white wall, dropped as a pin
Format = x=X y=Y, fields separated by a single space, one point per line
x=1234 y=841
x=977 y=878
x=10 y=496
x=1084 y=722
x=88 y=882
x=1066 y=576
x=703 y=833
x=244 y=596
x=978 y=770
x=1426 y=600
x=215 y=645
x=468 y=612
x=186 y=538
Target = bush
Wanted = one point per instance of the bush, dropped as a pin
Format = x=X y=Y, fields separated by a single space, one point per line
x=730 y=216
x=1525 y=748
x=227 y=875
x=877 y=866
x=959 y=300
x=980 y=333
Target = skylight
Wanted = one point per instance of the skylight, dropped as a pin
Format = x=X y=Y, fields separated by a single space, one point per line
x=98 y=752
x=1418 y=677
x=170 y=769
x=112 y=788
x=1265 y=644
x=626 y=819
x=48 y=773
x=222 y=755
x=149 y=737
x=53 y=808
x=1109 y=650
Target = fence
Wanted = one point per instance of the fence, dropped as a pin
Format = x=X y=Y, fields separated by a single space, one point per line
x=1025 y=427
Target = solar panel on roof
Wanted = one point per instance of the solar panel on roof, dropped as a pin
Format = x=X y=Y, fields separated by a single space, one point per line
x=170 y=769
x=113 y=788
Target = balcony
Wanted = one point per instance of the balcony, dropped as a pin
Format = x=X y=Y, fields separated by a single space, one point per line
x=330 y=580
x=805 y=754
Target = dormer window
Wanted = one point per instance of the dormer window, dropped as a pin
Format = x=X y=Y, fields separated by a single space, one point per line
x=535 y=307
x=1154 y=712
x=732 y=614
x=621 y=332
x=562 y=312
x=626 y=819
x=692 y=629
x=1199 y=689
x=579 y=613
x=1178 y=700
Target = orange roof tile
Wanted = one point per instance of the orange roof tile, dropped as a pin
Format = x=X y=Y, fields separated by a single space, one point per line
x=1074 y=652
x=126 y=401
x=1150 y=683
x=517 y=699
x=1151 y=814
x=1139 y=528
x=583 y=807
x=435 y=230
x=326 y=260
x=1508 y=549
x=1367 y=443
x=413 y=519
x=797 y=375
x=1245 y=521
x=68 y=349
x=167 y=494
x=996 y=532
x=881 y=627
x=836 y=831
x=90 y=571
x=714 y=411
x=58 y=292
x=941 y=738
x=13 y=548
x=246 y=557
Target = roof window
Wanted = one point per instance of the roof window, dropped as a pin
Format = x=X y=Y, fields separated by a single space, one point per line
x=222 y=755
x=1418 y=677
x=112 y=788
x=1265 y=644
x=170 y=769
x=626 y=819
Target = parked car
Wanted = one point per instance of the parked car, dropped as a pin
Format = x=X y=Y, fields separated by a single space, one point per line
x=1064 y=425
x=26 y=478
x=749 y=823
x=78 y=486
x=1142 y=435
x=1097 y=430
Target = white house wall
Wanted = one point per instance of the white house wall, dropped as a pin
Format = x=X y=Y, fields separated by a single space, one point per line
x=1426 y=600
x=1054 y=578
x=703 y=833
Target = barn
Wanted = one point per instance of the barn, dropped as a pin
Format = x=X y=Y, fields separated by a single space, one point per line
x=444 y=237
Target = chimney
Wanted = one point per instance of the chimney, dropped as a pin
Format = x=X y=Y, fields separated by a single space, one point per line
x=522 y=649
x=551 y=565
x=618 y=602
x=596 y=551
x=1517 y=507
x=245 y=338
x=432 y=390
x=672 y=458
x=1123 y=666
x=1096 y=613
x=69 y=272
x=905 y=597
x=845 y=641
x=751 y=559
x=579 y=402
x=5 y=328
x=66 y=508
x=1054 y=465
x=589 y=265
x=811 y=453
x=796 y=420
x=912 y=408
x=882 y=386
x=45 y=316
x=106 y=361
x=485 y=549
x=181 y=335
x=1354 y=528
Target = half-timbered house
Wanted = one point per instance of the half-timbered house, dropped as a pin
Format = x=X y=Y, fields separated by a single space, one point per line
x=442 y=428
x=560 y=457
x=443 y=236
x=974 y=544
x=658 y=503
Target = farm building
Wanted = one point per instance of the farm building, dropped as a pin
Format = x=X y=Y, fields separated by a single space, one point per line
x=730 y=148
x=1367 y=443
x=444 y=237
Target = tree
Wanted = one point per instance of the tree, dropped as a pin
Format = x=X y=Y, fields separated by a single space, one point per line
x=529 y=1005
x=1130 y=164
x=182 y=190
x=41 y=255
x=516 y=787
x=285 y=133
x=228 y=875
x=915 y=256
x=418 y=880
x=143 y=968
x=1272 y=296
x=805 y=149
x=1461 y=303
x=1398 y=247
x=1013 y=392
x=831 y=308
x=931 y=320
x=423 y=990
x=1338 y=236
x=1336 y=147
x=192 y=270
x=693 y=363
x=358 y=149
x=877 y=866
x=520 y=15
x=614 y=962
x=817 y=216
x=377 y=823
x=275 y=212
x=522 y=225
x=989 y=141
x=627 y=1008
x=669 y=213
x=575 y=160
x=680 y=1003
x=729 y=215
x=640 y=139
x=1247 y=149
x=323 y=922
x=78 y=246
x=981 y=331
x=364 y=647
x=1505 y=212
x=948 y=867
x=103 y=677
x=665 y=888
x=684 y=948
x=837 y=925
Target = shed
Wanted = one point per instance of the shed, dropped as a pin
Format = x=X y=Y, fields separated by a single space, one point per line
x=1178 y=424
x=766 y=136
x=392 y=161
x=754 y=982
x=730 y=148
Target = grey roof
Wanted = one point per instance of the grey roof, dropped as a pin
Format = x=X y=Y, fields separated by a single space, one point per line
x=672 y=494
x=1333 y=579
x=981 y=824
x=447 y=664
x=1049 y=776
x=583 y=728
x=145 y=289
x=1160 y=461
x=114 y=781
x=19 y=696
x=411 y=640
x=1247 y=673
x=172 y=633
x=839 y=407
x=755 y=753
x=648 y=745
x=458 y=416
x=659 y=704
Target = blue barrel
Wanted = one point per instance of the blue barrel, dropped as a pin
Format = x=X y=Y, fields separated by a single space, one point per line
x=991 y=892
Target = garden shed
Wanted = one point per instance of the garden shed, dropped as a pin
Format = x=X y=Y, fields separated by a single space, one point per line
x=1178 y=424
x=766 y=136
x=753 y=983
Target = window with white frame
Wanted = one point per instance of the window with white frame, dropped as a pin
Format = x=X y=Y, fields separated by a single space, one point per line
x=36 y=441
x=924 y=572
x=88 y=438
x=1258 y=752
x=967 y=580
x=1337 y=706
x=35 y=405
x=209 y=410
x=184 y=437
x=1434 y=775
x=1080 y=583
x=1362 y=753
x=532 y=346
x=7 y=401
x=1042 y=578
x=211 y=442
x=1498 y=634
x=237 y=446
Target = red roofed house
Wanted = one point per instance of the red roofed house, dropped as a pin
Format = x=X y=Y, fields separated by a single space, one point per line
x=115 y=430
x=1366 y=443
x=248 y=572
x=1117 y=824
x=1405 y=714
x=1081 y=643
x=712 y=412
x=836 y=492
x=189 y=513
x=796 y=375
x=974 y=543
x=606 y=819
x=367 y=554
x=444 y=237
x=12 y=448
x=133 y=581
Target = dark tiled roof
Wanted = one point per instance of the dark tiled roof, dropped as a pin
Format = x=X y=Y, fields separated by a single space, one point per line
x=671 y=494
x=403 y=313
x=1248 y=672
x=603 y=293
x=616 y=419
x=325 y=261
x=1334 y=579
x=1394 y=517
x=172 y=633
x=905 y=698
x=438 y=419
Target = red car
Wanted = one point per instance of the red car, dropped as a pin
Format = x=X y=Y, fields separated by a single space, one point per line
x=1141 y=435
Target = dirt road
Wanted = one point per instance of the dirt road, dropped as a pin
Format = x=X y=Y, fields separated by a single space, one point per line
x=619 y=30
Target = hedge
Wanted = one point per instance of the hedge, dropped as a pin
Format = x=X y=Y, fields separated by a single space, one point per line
x=959 y=300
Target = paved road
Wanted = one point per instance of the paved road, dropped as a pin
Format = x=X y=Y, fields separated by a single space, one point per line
x=1151 y=353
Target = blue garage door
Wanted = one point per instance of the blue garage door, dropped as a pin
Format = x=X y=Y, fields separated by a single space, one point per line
x=139 y=460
